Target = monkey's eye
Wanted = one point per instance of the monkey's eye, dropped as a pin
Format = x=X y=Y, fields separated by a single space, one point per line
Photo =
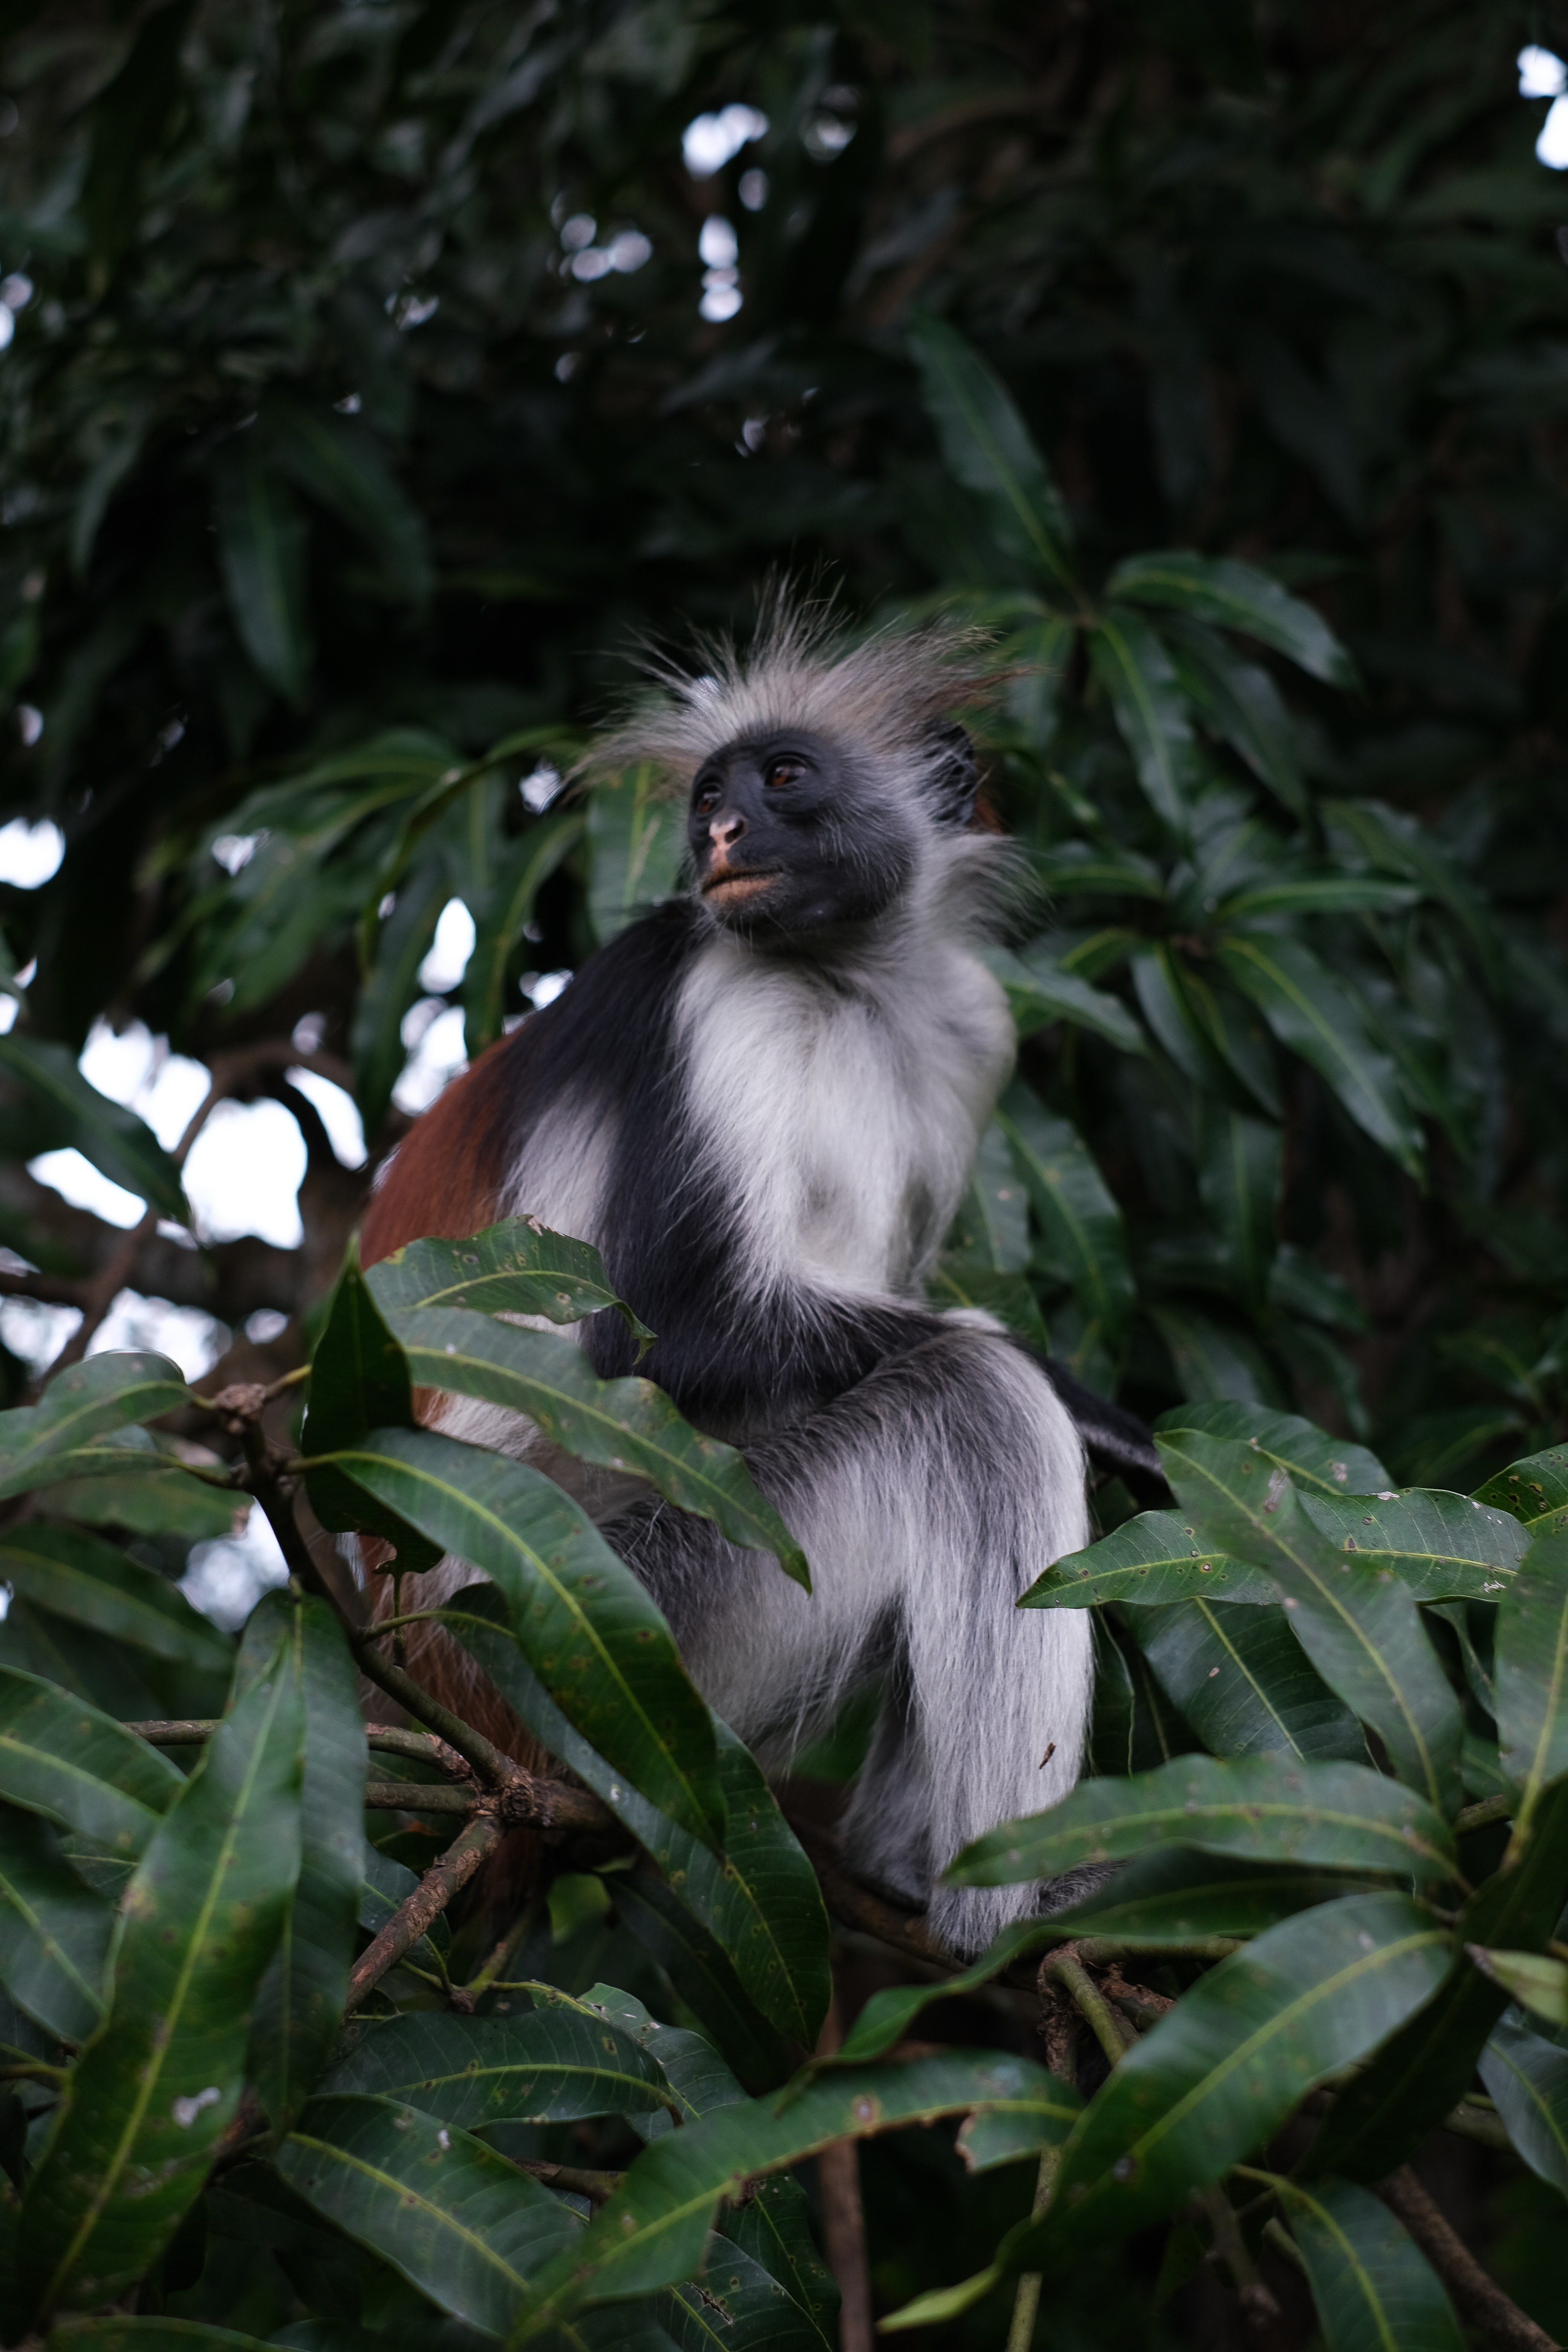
x=784 y=772
x=706 y=799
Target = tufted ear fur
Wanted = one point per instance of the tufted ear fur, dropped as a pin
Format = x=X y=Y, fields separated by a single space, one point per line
x=955 y=783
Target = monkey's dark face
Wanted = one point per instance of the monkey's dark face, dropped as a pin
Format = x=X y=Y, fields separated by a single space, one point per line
x=786 y=836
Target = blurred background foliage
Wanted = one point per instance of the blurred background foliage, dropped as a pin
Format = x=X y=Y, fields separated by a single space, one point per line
x=378 y=373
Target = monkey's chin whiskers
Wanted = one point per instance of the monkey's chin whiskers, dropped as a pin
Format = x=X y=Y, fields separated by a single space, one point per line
x=734 y=889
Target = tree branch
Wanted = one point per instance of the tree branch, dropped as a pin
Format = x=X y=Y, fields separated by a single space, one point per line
x=1479 y=2299
x=413 y=1916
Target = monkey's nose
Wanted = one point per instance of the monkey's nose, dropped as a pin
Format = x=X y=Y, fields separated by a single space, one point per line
x=726 y=829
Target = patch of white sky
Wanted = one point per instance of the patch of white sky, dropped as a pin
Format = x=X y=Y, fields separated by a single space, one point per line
x=1543 y=74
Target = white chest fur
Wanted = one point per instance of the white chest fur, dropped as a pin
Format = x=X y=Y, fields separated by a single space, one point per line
x=841 y=1112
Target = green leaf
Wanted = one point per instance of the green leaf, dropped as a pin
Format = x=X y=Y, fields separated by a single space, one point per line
x=299 y=2003
x=1163 y=994
x=1268 y=1808
x=338 y=463
x=449 y=2214
x=1320 y=894
x=1373 y=2288
x=992 y=1227
x=130 y=119
x=704 y=1976
x=1309 y=1011
x=1359 y=1626
x=1532 y=1671
x=1238 y=1037
x=757 y=1895
x=360 y=1381
x=1441 y=1547
x=516 y=1267
x=1239 y=1176
x=586 y=1625
x=1038 y=657
x=1532 y=1490
x=551 y=2067
x=90 y=1582
x=402 y=940
x=1078 y=1217
x=1317 y=1462
x=652 y=2231
x=890 y=2013
x=1526 y=2077
x=54 y=1931
x=102 y=1393
x=61 y=1758
x=625 y=1424
x=636 y=840
x=989 y=449
x=65 y=1112
x=1071 y=869
x=1175 y=1897
x=1039 y=991
x=1151 y=713
x=261 y=545
x=119 y=2332
x=142 y=1491
x=1240 y=1679
x=154 y=2092
x=737 y=2305
x=499 y=920
x=1537 y=1984
x=1146 y=1562
x=1219 y=2074
x=1235 y=595
x=1242 y=703
x=1381 y=2118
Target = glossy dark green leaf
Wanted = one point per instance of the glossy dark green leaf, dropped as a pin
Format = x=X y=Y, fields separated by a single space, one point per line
x=90 y=1582
x=1239 y=1677
x=1147 y=1562
x=636 y=839
x=1320 y=894
x=153 y=2093
x=738 y=2305
x=452 y=2215
x=149 y=1497
x=1239 y=1035
x=79 y=1767
x=1219 y=2074
x=299 y=2003
x=586 y=1626
x=989 y=449
x=69 y=1113
x=1078 y=1217
x=1317 y=1462
x=1074 y=869
x=1133 y=1725
x=360 y=1381
x=1533 y=1670
x=1309 y=1011
x=704 y=1976
x=690 y=2066
x=551 y=2067
x=652 y=2231
x=890 y=2013
x=498 y=920
x=261 y=545
x=1264 y=1807
x=1040 y=657
x=1241 y=703
x=1379 y=2120
x=756 y=1896
x=1151 y=712
x=1040 y=991
x=1373 y=2288
x=1212 y=1359
x=1441 y=1547
x=625 y=1424
x=1239 y=1178
x=54 y=1931
x=1161 y=982
x=401 y=942
x=1527 y=2076
x=1358 y=1624
x=337 y=461
x=119 y=2332
x=1175 y=1897
x=517 y=1267
x=1533 y=1490
x=1235 y=595
x=1538 y=1984
x=99 y=1395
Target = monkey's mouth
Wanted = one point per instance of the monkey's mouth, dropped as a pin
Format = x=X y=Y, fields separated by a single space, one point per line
x=732 y=886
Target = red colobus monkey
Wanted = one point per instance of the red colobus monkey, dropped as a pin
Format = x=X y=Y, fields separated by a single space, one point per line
x=763 y=1102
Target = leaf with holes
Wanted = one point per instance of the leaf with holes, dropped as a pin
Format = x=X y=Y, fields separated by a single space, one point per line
x=552 y=2066
x=1317 y=1462
x=1441 y=1547
x=1147 y=1562
x=1241 y=1679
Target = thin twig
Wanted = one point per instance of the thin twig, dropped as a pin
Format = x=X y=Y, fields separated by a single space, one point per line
x=415 y=1914
x=1113 y=2033
x=422 y=1797
x=1258 y=2303
x=1477 y=2297
x=843 y=2217
x=584 y=2182
x=1490 y=1809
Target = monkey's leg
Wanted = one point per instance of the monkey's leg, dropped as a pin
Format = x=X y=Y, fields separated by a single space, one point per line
x=937 y=1488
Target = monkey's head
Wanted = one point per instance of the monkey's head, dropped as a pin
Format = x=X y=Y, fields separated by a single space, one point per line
x=785 y=835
